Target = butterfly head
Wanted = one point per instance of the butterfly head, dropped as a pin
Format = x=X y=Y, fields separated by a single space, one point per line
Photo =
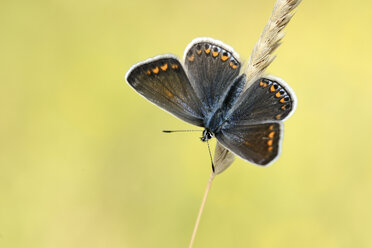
x=207 y=135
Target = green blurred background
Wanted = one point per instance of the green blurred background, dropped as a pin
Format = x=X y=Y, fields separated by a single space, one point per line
x=83 y=162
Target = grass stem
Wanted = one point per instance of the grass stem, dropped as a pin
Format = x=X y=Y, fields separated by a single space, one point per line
x=201 y=209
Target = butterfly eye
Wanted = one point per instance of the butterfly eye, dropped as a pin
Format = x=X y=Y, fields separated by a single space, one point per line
x=209 y=135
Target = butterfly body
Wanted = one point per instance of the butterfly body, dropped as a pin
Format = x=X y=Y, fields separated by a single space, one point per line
x=207 y=90
x=221 y=113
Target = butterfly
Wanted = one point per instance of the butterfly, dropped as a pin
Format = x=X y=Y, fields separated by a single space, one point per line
x=207 y=90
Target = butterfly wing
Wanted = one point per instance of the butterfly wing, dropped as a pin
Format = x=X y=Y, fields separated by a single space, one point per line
x=258 y=143
x=254 y=128
x=267 y=99
x=163 y=81
x=212 y=67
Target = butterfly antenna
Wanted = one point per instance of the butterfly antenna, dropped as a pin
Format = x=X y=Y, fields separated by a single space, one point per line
x=210 y=155
x=178 y=131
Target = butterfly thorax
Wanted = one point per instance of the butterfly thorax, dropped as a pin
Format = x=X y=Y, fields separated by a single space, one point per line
x=219 y=117
x=215 y=122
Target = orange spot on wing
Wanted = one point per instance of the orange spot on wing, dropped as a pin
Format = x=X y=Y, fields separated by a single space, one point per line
x=265 y=85
x=283 y=107
x=270 y=142
x=198 y=52
x=272 y=89
x=278 y=94
x=169 y=94
x=282 y=100
x=191 y=58
x=270 y=148
x=271 y=135
x=214 y=54
x=278 y=116
x=207 y=51
x=155 y=70
x=234 y=66
x=148 y=72
x=174 y=66
x=164 y=67
x=271 y=127
x=224 y=58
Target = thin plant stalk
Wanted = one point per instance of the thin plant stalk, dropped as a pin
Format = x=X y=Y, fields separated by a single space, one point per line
x=201 y=209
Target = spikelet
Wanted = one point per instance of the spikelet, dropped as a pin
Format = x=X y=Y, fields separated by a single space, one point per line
x=270 y=39
x=223 y=158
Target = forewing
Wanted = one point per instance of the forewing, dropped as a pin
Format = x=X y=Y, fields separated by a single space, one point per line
x=212 y=67
x=258 y=143
x=163 y=81
x=267 y=99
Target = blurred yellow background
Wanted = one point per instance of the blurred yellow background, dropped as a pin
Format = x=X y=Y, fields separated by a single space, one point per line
x=83 y=162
